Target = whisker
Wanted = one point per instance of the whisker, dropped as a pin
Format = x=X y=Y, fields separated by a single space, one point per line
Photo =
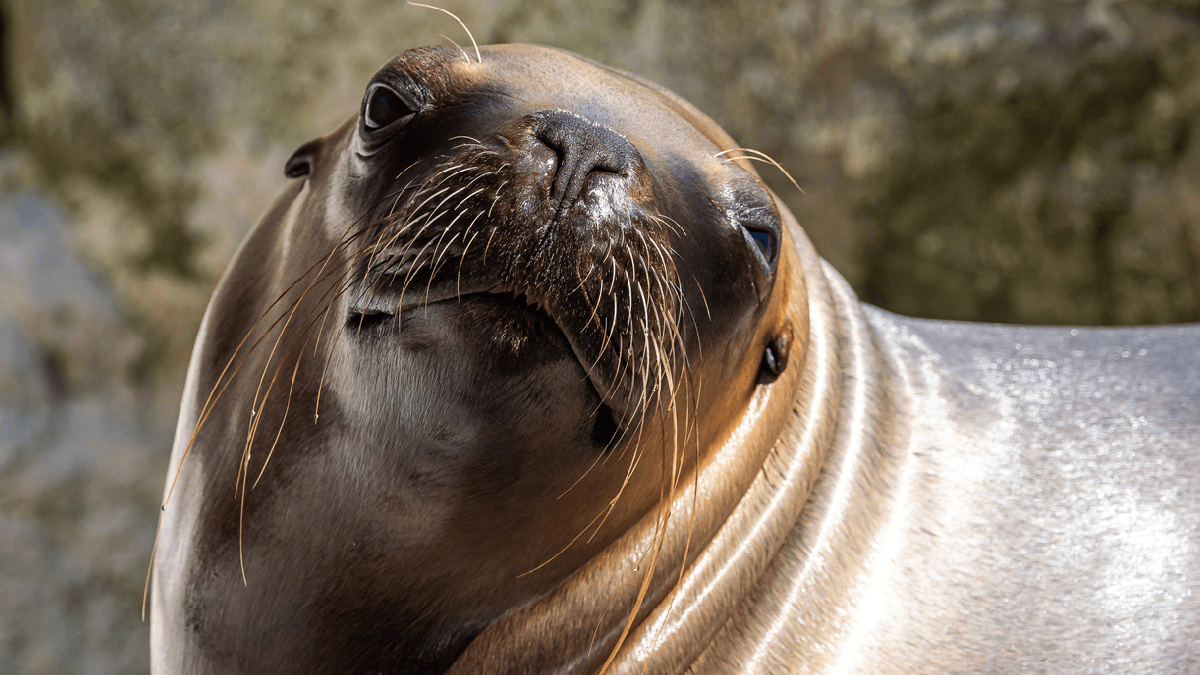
x=478 y=56
x=759 y=156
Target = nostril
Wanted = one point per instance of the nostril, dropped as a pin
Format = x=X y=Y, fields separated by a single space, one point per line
x=583 y=147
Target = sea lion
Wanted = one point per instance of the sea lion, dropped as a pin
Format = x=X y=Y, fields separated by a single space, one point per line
x=528 y=371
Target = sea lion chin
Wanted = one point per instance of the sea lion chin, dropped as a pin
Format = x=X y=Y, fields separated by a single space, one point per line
x=491 y=328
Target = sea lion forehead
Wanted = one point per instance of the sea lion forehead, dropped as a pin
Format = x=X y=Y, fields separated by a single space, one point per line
x=545 y=78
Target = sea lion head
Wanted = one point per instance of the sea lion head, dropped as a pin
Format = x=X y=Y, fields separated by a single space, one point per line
x=499 y=315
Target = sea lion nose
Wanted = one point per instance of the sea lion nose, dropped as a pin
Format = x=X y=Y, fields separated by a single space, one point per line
x=583 y=147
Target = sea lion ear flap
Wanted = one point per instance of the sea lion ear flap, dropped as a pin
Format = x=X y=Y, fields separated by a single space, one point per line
x=775 y=357
x=301 y=161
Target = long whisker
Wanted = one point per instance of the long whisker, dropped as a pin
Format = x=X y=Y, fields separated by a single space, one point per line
x=478 y=56
x=759 y=156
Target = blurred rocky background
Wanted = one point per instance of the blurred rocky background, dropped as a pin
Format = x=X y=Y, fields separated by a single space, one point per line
x=1033 y=161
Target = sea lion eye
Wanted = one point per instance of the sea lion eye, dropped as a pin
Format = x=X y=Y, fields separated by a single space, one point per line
x=384 y=106
x=762 y=238
x=753 y=212
x=765 y=241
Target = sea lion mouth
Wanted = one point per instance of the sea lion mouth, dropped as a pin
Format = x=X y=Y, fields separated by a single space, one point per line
x=511 y=322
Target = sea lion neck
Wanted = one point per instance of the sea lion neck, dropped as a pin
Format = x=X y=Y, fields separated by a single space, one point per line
x=755 y=480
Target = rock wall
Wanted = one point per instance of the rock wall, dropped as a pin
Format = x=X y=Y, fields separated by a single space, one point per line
x=1024 y=160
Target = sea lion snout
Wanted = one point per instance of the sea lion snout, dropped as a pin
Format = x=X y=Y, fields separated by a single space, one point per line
x=583 y=147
